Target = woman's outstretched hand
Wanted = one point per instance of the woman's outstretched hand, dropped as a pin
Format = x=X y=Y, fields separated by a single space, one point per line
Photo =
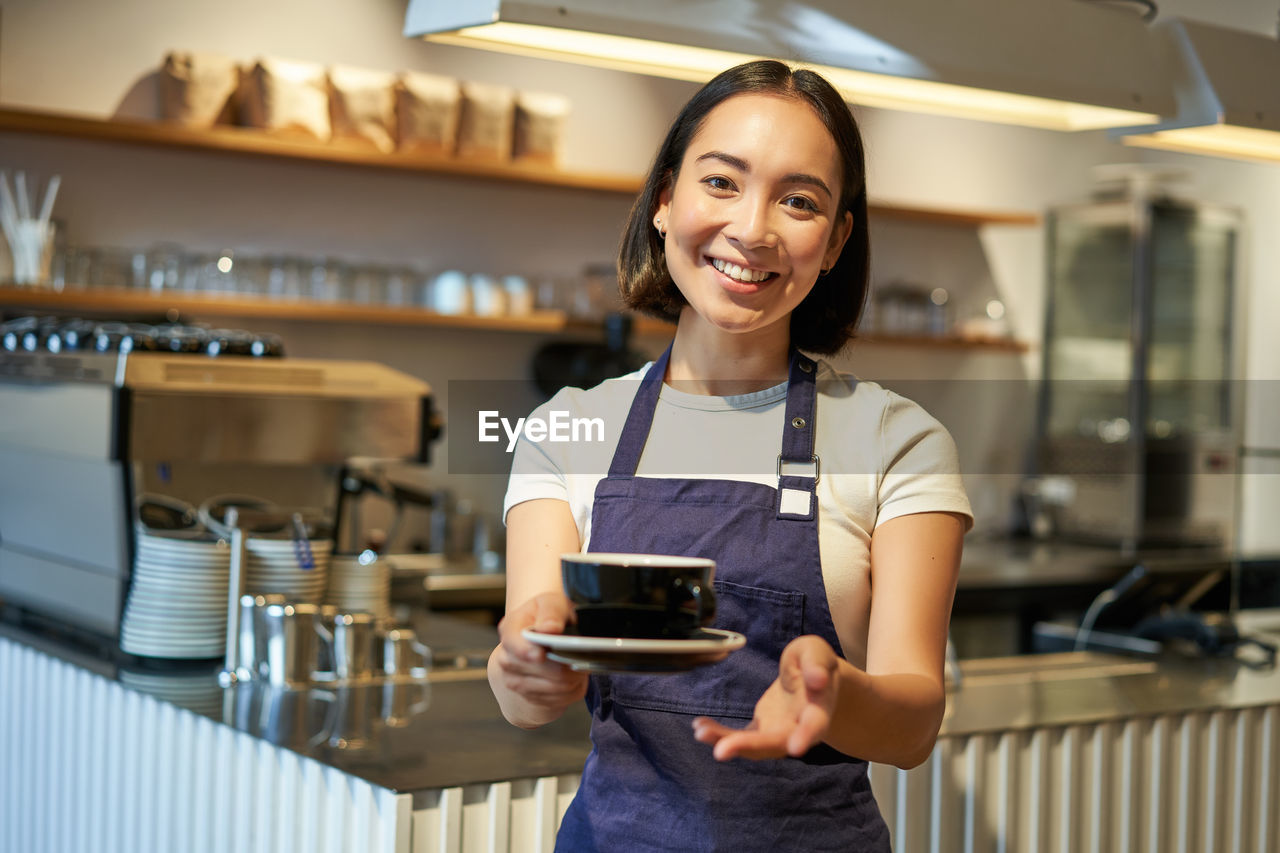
x=792 y=716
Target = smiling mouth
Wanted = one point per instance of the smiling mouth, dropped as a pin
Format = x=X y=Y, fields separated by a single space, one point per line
x=737 y=273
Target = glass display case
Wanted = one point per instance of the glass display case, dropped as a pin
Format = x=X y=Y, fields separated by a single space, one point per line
x=1140 y=411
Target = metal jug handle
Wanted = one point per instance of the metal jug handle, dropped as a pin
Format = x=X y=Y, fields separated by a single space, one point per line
x=424 y=652
x=330 y=715
x=326 y=636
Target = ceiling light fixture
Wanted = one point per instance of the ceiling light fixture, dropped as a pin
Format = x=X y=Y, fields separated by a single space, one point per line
x=1227 y=88
x=1057 y=64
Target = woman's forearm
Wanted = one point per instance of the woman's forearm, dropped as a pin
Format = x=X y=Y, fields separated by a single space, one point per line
x=890 y=719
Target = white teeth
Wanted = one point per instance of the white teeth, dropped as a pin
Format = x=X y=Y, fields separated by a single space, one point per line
x=738 y=273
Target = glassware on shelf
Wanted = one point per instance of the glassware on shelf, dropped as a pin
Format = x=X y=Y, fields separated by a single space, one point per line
x=218 y=273
x=401 y=286
x=902 y=308
x=250 y=274
x=283 y=277
x=168 y=268
x=324 y=280
x=109 y=267
x=163 y=271
x=70 y=268
x=595 y=293
x=366 y=285
x=193 y=264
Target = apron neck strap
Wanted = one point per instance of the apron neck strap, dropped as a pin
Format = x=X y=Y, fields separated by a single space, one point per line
x=636 y=430
x=797 y=431
x=797 y=436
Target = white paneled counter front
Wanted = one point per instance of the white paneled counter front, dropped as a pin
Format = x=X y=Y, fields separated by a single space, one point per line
x=1050 y=753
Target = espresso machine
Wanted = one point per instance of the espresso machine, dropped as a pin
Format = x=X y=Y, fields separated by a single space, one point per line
x=84 y=434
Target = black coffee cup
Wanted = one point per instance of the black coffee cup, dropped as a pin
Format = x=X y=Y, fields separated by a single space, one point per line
x=639 y=596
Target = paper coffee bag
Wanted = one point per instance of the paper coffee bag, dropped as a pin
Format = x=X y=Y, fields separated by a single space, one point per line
x=486 y=123
x=362 y=106
x=287 y=98
x=539 y=127
x=427 y=110
x=198 y=89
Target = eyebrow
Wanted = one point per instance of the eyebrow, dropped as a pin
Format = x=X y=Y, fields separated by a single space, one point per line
x=742 y=166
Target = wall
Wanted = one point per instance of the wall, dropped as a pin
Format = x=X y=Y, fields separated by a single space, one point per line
x=133 y=197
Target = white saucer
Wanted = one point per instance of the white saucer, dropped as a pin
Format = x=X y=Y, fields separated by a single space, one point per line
x=621 y=654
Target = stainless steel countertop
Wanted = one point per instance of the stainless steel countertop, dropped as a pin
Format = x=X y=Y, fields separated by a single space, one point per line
x=1028 y=563
x=447 y=731
x=1044 y=691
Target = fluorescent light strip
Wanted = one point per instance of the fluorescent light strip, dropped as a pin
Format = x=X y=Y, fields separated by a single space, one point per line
x=698 y=65
x=1221 y=140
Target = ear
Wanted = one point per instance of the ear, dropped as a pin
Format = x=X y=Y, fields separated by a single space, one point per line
x=839 y=235
x=663 y=211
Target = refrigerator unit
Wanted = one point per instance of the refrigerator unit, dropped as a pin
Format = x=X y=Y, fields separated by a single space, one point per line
x=1140 y=410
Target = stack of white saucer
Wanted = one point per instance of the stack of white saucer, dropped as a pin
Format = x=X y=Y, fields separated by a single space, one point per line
x=360 y=584
x=281 y=567
x=177 y=605
x=199 y=692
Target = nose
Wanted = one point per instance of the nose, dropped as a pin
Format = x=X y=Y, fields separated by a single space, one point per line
x=751 y=225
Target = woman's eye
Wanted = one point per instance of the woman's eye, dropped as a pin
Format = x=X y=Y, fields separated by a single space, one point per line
x=801 y=203
x=717 y=182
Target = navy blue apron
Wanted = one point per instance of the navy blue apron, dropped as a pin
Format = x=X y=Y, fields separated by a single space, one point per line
x=647 y=784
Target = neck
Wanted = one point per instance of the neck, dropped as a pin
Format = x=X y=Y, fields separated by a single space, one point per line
x=707 y=360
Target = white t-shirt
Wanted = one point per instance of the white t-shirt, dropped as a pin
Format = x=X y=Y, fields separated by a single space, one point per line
x=881 y=456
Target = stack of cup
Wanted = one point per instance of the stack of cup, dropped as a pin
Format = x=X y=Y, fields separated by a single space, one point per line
x=360 y=583
x=279 y=566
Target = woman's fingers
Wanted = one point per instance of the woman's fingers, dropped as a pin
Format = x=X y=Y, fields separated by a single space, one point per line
x=792 y=716
x=541 y=681
x=523 y=664
x=707 y=730
x=809 y=731
x=513 y=641
x=547 y=614
x=563 y=688
x=730 y=743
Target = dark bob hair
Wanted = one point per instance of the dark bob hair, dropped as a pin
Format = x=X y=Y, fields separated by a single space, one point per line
x=825 y=321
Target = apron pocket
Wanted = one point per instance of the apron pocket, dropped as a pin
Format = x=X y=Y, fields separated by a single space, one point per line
x=768 y=618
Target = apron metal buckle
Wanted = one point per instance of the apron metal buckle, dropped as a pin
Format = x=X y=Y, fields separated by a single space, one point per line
x=813 y=460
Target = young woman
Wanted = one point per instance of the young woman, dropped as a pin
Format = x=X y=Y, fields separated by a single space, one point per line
x=833 y=508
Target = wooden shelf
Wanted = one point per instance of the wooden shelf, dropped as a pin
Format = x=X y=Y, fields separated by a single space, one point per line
x=119 y=302
x=658 y=329
x=960 y=218
x=246 y=141
x=199 y=306
x=942 y=342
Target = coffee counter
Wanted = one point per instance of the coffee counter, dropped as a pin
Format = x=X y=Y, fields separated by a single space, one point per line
x=407 y=735
x=97 y=749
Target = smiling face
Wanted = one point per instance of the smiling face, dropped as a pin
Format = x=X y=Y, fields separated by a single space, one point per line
x=754 y=215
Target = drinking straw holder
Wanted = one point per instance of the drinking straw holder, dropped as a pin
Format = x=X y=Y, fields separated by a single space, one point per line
x=30 y=235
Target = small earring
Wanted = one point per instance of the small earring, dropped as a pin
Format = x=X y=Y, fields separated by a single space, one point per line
x=661 y=233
